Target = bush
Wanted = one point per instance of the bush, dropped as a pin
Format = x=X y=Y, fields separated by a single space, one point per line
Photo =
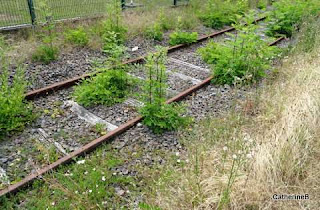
x=114 y=22
x=114 y=50
x=287 y=15
x=158 y=115
x=243 y=58
x=106 y=88
x=45 y=53
x=77 y=36
x=164 y=117
x=154 y=32
x=179 y=37
x=15 y=113
x=221 y=13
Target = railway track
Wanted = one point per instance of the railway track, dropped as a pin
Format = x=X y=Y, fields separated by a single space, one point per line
x=186 y=74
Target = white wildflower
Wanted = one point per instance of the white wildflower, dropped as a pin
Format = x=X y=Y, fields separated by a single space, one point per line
x=103 y=178
x=225 y=148
x=85 y=173
x=249 y=156
x=234 y=156
x=76 y=192
x=177 y=153
x=90 y=191
x=81 y=162
x=53 y=203
x=178 y=161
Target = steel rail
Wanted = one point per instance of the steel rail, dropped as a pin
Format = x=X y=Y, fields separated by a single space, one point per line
x=70 y=82
x=103 y=139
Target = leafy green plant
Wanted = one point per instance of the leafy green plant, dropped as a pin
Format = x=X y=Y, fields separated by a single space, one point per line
x=114 y=22
x=114 y=50
x=154 y=32
x=111 y=43
x=287 y=15
x=15 y=112
x=180 y=37
x=244 y=58
x=77 y=36
x=164 y=117
x=100 y=128
x=219 y=13
x=108 y=88
x=47 y=51
x=158 y=115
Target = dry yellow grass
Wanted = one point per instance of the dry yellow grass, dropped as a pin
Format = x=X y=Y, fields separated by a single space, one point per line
x=240 y=161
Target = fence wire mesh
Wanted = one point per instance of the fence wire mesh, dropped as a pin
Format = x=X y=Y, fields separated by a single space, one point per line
x=16 y=13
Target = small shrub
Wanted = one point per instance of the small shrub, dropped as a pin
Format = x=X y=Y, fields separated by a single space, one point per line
x=154 y=32
x=110 y=42
x=45 y=54
x=106 y=88
x=158 y=115
x=164 y=117
x=221 y=13
x=243 y=58
x=114 y=22
x=115 y=50
x=287 y=15
x=183 y=38
x=15 y=113
x=77 y=36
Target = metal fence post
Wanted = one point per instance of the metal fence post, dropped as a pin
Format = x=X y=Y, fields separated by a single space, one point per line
x=31 y=11
x=175 y=2
x=123 y=4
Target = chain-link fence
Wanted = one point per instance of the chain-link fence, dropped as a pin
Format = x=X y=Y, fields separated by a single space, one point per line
x=21 y=13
